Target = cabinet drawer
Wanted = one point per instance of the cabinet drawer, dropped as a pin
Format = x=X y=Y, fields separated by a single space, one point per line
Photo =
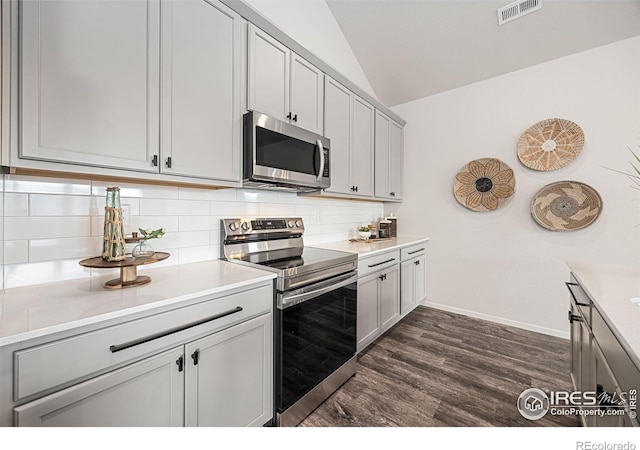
x=413 y=251
x=378 y=262
x=625 y=371
x=59 y=363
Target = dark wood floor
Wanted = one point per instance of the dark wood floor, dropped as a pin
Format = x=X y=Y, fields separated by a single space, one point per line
x=436 y=368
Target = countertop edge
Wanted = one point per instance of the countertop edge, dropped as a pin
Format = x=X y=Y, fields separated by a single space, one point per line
x=602 y=309
x=343 y=246
x=146 y=308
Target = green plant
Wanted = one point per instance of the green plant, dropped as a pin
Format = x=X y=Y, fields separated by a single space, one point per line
x=364 y=229
x=151 y=234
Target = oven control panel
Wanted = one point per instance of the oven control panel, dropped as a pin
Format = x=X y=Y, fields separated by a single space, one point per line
x=246 y=226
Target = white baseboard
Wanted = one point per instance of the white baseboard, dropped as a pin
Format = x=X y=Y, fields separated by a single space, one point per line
x=500 y=320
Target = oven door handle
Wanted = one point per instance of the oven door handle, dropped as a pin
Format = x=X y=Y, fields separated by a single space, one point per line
x=288 y=300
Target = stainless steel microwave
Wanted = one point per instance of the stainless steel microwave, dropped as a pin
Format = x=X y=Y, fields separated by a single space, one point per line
x=281 y=155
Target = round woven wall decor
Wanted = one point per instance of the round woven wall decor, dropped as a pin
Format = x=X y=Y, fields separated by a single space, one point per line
x=566 y=206
x=550 y=144
x=484 y=184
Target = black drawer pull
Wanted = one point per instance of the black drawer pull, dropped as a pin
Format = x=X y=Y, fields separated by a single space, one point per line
x=415 y=251
x=573 y=318
x=573 y=295
x=126 y=345
x=383 y=262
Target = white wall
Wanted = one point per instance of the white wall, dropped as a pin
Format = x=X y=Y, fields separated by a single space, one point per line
x=312 y=25
x=501 y=263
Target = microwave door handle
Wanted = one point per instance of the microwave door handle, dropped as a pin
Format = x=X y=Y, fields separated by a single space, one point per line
x=321 y=149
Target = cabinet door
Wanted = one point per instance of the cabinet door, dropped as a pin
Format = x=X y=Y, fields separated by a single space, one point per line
x=390 y=298
x=307 y=95
x=396 y=155
x=420 y=279
x=368 y=310
x=89 y=82
x=362 y=147
x=268 y=75
x=407 y=286
x=606 y=388
x=201 y=112
x=382 y=149
x=230 y=376
x=147 y=393
x=337 y=126
x=575 y=337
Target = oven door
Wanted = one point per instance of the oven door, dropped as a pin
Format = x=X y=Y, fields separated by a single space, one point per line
x=278 y=152
x=315 y=336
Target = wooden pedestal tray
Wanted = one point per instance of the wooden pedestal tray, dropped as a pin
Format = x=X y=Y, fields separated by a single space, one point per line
x=128 y=269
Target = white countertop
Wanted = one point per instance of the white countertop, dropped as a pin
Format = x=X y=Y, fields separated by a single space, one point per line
x=611 y=289
x=371 y=247
x=35 y=311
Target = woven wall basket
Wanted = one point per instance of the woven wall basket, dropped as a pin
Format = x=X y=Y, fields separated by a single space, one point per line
x=484 y=184
x=566 y=206
x=550 y=144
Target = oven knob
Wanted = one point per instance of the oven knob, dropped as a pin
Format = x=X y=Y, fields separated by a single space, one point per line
x=245 y=226
x=291 y=224
x=233 y=226
x=299 y=223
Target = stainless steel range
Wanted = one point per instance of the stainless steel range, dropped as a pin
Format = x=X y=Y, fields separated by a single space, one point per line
x=316 y=302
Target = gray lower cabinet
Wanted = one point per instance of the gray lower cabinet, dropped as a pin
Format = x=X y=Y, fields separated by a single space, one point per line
x=229 y=380
x=599 y=363
x=153 y=86
x=146 y=393
x=378 y=303
x=413 y=274
x=224 y=379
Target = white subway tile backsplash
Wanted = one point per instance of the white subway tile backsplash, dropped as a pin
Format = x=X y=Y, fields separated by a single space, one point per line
x=16 y=252
x=155 y=207
x=65 y=248
x=59 y=205
x=16 y=204
x=50 y=224
x=43 y=185
x=46 y=227
x=198 y=223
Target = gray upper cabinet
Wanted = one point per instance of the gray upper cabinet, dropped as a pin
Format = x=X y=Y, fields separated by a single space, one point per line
x=283 y=85
x=90 y=82
x=349 y=124
x=148 y=86
x=201 y=89
x=389 y=153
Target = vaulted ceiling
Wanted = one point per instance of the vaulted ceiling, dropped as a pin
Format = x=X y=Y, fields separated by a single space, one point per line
x=410 y=49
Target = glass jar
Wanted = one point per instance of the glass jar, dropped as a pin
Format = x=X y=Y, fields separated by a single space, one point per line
x=142 y=250
x=113 y=239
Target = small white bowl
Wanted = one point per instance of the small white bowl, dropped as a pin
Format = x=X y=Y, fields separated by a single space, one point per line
x=364 y=234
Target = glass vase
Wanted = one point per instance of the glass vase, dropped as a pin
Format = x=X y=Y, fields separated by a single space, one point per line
x=142 y=250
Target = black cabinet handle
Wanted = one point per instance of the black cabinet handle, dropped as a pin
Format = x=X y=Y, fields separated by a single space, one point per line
x=151 y=337
x=168 y=163
x=295 y=118
x=393 y=194
x=383 y=262
x=417 y=263
x=415 y=251
x=356 y=188
x=573 y=318
x=154 y=161
x=573 y=295
x=196 y=357
x=180 y=363
x=289 y=116
x=383 y=276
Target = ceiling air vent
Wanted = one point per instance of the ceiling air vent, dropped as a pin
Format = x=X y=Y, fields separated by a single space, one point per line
x=517 y=9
